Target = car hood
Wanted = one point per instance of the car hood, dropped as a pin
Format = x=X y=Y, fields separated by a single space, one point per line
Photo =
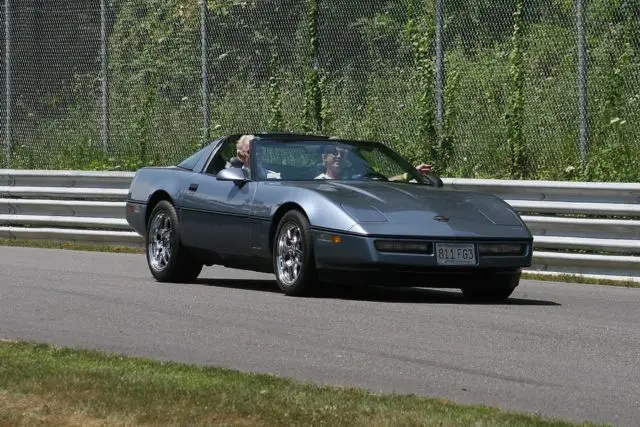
x=410 y=209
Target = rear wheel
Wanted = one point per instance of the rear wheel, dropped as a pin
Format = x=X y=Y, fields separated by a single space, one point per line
x=493 y=288
x=293 y=256
x=167 y=258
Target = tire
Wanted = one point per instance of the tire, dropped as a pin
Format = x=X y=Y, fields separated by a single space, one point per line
x=292 y=245
x=498 y=288
x=167 y=259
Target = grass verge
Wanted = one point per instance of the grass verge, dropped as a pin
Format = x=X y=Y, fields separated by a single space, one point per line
x=46 y=244
x=45 y=385
x=572 y=278
x=50 y=244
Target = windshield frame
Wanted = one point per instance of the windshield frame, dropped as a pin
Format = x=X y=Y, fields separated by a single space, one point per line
x=403 y=163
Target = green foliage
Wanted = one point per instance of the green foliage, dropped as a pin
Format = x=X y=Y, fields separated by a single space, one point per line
x=360 y=70
x=313 y=95
x=313 y=103
x=162 y=72
x=514 y=116
x=326 y=112
x=421 y=32
x=446 y=142
x=614 y=151
x=48 y=385
x=154 y=42
x=276 y=119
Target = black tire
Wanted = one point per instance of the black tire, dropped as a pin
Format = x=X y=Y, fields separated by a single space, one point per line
x=304 y=282
x=493 y=287
x=180 y=266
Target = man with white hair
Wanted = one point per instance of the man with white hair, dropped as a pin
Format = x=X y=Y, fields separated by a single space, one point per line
x=243 y=153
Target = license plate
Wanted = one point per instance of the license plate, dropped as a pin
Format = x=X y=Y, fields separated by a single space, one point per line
x=456 y=253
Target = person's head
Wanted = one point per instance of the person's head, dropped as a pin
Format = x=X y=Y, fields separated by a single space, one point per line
x=243 y=149
x=334 y=159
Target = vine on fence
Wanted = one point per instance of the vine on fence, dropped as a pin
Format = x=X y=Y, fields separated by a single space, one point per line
x=421 y=34
x=313 y=96
x=446 y=141
x=514 y=116
x=144 y=114
x=326 y=111
x=276 y=119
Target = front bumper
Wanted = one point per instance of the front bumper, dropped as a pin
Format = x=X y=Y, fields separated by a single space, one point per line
x=355 y=259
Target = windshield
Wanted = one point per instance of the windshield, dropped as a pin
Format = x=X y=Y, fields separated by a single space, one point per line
x=331 y=159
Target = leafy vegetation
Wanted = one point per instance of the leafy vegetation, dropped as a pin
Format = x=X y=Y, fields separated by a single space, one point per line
x=363 y=70
x=515 y=107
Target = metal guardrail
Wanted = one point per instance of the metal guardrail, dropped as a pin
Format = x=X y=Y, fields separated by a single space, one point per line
x=584 y=228
x=589 y=229
x=78 y=206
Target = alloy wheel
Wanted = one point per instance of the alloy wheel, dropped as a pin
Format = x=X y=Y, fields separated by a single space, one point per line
x=290 y=254
x=160 y=241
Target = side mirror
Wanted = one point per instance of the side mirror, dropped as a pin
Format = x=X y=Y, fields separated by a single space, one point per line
x=231 y=174
x=435 y=180
x=235 y=162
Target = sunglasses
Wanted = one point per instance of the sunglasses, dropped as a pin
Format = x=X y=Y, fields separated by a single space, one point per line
x=336 y=151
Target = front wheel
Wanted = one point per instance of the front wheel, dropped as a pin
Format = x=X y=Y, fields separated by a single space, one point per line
x=496 y=287
x=167 y=258
x=293 y=256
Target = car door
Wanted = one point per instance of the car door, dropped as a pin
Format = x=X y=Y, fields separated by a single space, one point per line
x=215 y=214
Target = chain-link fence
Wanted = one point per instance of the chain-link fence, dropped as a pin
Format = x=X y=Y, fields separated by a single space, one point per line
x=511 y=88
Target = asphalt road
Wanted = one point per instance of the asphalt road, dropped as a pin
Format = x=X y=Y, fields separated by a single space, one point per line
x=563 y=350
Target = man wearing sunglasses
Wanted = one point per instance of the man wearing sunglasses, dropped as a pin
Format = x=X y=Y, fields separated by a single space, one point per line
x=335 y=161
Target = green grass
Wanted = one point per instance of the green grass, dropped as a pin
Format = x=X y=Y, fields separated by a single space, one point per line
x=47 y=244
x=46 y=386
x=573 y=278
x=50 y=244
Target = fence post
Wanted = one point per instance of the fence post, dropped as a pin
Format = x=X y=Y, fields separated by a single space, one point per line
x=8 y=104
x=439 y=68
x=316 y=66
x=582 y=84
x=105 y=76
x=205 y=74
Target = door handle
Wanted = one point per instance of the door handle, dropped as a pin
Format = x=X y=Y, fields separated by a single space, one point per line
x=193 y=187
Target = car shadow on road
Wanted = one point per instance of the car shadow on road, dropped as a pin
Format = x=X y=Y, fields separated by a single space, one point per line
x=373 y=293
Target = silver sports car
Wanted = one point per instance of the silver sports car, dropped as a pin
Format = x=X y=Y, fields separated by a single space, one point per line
x=315 y=210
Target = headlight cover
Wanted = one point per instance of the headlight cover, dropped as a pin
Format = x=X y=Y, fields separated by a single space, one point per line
x=502 y=248
x=404 y=246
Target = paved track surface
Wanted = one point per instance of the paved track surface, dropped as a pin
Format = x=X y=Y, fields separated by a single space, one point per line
x=564 y=350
